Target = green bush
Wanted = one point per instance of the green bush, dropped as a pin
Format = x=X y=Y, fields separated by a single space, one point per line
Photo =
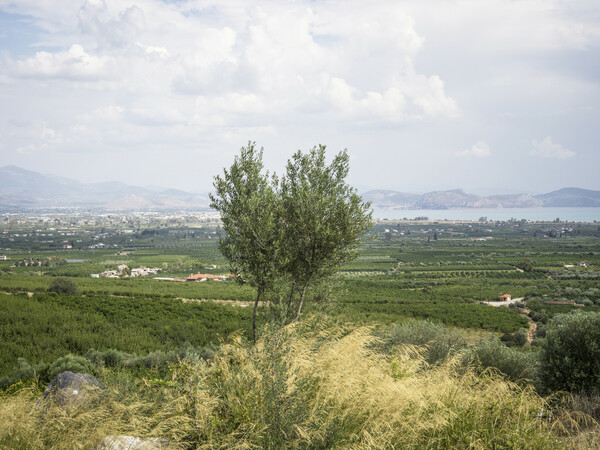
x=63 y=286
x=516 y=339
x=440 y=341
x=492 y=353
x=570 y=357
x=328 y=388
x=72 y=363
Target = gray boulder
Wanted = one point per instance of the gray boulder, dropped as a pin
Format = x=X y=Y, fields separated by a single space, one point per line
x=70 y=388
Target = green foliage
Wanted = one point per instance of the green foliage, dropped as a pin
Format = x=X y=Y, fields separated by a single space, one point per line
x=389 y=281
x=246 y=200
x=63 y=286
x=72 y=363
x=440 y=342
x=570 y=357
x=322 y=216
x=296 y=389
x=516 y=339
x=46 y=327
x=527 y=265
x=492 y=353
x=302 y=230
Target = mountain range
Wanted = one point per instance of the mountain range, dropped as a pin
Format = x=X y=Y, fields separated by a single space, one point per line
x=24 y=189
x=457 y=198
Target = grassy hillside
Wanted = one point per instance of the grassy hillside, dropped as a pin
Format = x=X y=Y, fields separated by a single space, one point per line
x=305 y=387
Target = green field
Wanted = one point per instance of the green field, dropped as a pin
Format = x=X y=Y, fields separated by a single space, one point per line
x=440 y=271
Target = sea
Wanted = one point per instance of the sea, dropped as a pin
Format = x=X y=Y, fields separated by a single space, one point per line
x=531 y=214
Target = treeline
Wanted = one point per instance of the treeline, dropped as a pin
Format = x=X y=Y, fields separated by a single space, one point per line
x=223 y=290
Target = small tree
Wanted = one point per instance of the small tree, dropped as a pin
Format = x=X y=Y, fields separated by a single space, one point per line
x=299 y=231
x=322 y=217
x=246 y=199
x=63 y=286
x=527 y=265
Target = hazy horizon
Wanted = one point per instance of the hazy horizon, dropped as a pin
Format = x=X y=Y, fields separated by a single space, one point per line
x=497 y=97
x=360 y=188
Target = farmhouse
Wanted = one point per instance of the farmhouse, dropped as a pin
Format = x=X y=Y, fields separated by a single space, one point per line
x=506 y=297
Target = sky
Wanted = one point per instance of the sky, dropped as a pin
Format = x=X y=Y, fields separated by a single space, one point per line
x=495 y=96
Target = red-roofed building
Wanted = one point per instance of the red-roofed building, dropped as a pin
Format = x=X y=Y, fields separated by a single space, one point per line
x=206 y=276
x=505 y=297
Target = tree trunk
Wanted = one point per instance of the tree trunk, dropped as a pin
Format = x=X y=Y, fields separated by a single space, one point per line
x=301 y=302
x=289 y=301
x=258 y=293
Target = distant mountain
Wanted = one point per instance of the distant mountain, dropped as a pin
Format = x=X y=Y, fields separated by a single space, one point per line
x=25 y=189
x=571 y=197
x=457 y=198
x=453 y=199
x=517 y=201
x=394 y=199
x=20 y=188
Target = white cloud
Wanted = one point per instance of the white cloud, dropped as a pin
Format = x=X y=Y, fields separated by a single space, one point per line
x=42 y=138
x=118 y=30
x=479 y=150
x=549 y=149
x=379 y=77
x=272 y=59
x=28 y=149
x=110 y=113
x=50 y=136
x=157 y=116
x=72 y=64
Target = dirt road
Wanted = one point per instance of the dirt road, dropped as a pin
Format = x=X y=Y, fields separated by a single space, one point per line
x=500 y=303
x=524 y=313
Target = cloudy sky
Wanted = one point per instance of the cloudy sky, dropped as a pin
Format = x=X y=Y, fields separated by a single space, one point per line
x=494 y=96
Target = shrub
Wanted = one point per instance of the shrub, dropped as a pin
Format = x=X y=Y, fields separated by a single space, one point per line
x=328 y=389
x=540 y=331
x=570 y=358
x=440 y=341
x=107 y=358
x=516 y=339
x=72 y=363
x=63 y=286
x=516 y=365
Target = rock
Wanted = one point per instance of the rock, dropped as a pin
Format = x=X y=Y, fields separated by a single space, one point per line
x=70 y=388
x=131 y=442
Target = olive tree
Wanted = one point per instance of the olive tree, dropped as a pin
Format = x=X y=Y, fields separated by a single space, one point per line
x=297 y=231
x=322 y=219
x=570 y=356
x=246 y=200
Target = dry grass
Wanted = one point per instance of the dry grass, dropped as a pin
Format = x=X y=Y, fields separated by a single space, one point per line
x=27 y=426
x=300 y=389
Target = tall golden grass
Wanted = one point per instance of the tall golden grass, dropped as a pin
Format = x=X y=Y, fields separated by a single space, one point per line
x=328 y=388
